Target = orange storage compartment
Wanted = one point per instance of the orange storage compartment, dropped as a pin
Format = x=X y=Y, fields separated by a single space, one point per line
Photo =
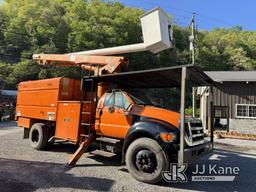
x=24 y=122
x=68 y=119
x=39 y=99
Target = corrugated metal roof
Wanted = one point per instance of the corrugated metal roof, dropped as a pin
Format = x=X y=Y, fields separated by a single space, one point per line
x=235 y=76
x=165 y=77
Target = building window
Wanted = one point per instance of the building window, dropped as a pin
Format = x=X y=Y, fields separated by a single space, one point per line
x=245 y=111
x=252 y=111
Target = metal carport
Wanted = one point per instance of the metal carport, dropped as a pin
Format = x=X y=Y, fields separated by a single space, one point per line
x=182 y=76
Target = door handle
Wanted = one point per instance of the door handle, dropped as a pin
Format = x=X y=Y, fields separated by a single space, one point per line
x=111 y=109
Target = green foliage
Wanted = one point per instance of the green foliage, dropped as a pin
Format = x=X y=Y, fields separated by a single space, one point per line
x=12 y=74
x=189 y=111
x=227 y=49
x=62 y=26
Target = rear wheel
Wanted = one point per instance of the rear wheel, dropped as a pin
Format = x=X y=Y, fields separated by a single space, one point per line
x=145 y=160
x=38 y=136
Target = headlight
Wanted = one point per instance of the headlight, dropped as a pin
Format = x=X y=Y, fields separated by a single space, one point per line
x=168 y=137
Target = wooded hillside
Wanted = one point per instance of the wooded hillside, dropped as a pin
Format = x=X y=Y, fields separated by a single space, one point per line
x=62 y=26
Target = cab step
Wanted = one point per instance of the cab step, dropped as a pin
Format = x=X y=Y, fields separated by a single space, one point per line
x=85 y=124
x=108 y=140
x=84 y=135
x=102 y=153
x=86 y=102
x=85 y=113
x=109 y=144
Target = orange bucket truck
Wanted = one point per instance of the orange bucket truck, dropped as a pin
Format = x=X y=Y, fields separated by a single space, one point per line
x=104 y=107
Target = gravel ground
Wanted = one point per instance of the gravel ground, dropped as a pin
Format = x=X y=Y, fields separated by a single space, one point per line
x=23 y=169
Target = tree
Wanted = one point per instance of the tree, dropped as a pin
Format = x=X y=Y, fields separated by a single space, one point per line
x=61 y=26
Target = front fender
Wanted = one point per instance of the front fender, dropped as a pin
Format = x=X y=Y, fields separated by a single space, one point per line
x=151 y=128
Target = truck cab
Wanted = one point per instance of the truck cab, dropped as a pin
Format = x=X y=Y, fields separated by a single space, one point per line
x=119 y=110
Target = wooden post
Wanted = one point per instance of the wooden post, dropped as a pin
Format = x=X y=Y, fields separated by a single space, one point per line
x=212 y=121
x=182 y=114
x=194 y=101
x=210 y=114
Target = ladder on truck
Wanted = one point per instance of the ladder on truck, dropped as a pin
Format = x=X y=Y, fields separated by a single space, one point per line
x=88 y=136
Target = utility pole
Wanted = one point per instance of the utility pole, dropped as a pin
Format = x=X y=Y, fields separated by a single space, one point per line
x=192 y=49
x=192 y=39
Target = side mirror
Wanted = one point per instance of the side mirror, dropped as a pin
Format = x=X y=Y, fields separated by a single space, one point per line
x=127 y=113
x=128 y=107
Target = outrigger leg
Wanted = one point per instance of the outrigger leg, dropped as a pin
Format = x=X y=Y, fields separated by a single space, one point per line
x=82 y=148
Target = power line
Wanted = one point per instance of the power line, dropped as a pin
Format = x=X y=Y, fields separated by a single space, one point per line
x=205 y=17
x=174 y=8
x=215 y=19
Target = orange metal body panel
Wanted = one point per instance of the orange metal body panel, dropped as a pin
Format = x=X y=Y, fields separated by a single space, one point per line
x=24 y=122
x=68 y=119
x=66 y=59
x=40 y=84
x=114 y=124
x=36 y=112
x=39 y=99
x=117 y=123
x=157 y=113
x=77 y=90
x=106 y=63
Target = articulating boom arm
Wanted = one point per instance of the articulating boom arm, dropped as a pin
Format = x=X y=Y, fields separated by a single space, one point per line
x=97 y=64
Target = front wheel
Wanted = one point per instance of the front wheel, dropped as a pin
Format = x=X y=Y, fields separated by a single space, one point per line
x=145 y=160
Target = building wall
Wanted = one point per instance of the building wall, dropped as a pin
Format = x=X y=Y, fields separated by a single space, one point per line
x=247 y=126
x=232 y=93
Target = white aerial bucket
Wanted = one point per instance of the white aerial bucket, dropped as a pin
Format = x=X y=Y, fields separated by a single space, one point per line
x=157 y=30
x=157 y=35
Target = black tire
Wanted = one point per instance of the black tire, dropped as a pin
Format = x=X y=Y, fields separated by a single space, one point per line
x=38 y=136
x=156 y=162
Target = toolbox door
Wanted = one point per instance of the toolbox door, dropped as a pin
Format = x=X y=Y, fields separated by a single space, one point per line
x=68 y=119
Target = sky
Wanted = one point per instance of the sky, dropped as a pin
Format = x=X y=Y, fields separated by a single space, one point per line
x=210 y=14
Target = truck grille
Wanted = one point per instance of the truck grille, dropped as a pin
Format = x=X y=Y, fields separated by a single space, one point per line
x=194 y=133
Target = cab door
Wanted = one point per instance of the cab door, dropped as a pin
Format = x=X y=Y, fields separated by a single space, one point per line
x=113 y=119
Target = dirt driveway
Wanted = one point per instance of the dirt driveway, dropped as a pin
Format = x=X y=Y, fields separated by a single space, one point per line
x=23 y=169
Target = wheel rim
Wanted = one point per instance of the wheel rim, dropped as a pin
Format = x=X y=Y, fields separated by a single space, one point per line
x=35 y=136
x=145 y=161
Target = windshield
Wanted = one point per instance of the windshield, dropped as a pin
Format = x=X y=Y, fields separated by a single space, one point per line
x=141 y=98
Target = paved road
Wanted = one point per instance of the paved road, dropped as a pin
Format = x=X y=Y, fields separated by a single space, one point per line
x=8 y=127
x=23 y=169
